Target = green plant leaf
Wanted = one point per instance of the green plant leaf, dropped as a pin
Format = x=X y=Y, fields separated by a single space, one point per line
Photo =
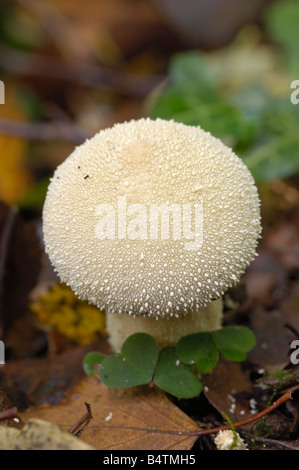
x=277 y=158
x=234 y=342
x=282 y=20
x=192 y=97
x=134 y=365
x=174 y=377
x=90 y=360
x=199 y=349
x=35 y=195
x=260 y=126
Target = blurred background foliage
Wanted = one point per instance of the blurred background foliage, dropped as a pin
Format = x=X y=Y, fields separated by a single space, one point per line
x=241 y=94
x=73 y=68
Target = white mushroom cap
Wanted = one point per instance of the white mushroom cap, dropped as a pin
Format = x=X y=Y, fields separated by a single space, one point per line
x=124 y=263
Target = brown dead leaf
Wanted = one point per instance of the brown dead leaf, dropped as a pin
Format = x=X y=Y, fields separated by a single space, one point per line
x=265 y=279
x=124 y=419
x=46 y=380
x=283 y=241
x=229 y=390
x=289 y=307
x=273 y=340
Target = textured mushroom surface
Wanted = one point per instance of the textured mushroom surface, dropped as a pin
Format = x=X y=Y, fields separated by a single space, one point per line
x=103 y=227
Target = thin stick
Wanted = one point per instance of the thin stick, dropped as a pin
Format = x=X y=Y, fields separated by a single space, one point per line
x=8 y=414
x=267 y=440
x=79 y=427
x=42 y=131
x=285 y=397
x=80 y=73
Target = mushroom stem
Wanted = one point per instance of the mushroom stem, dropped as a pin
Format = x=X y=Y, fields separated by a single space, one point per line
x=165 y=331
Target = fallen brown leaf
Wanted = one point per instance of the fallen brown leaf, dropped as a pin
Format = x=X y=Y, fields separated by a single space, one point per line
x=229 y=390
x=135 y=418
x=46 y=380
x=273 y=340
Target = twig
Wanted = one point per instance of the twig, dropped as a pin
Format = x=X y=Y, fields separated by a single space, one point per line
x=79 y=72
x=56 y=130
x=285 y=397
x=79 y=427
x=266 y=440
x=8 y=414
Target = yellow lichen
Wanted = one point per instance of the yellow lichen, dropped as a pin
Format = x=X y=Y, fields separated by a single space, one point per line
x=61 y=309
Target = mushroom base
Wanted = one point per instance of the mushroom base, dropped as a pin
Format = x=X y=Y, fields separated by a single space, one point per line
x=166 y=332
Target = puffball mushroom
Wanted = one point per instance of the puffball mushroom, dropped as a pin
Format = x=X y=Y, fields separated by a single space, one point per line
x=152 y=221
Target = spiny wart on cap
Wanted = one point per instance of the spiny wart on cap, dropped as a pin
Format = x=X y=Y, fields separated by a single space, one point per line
x=121 y=211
